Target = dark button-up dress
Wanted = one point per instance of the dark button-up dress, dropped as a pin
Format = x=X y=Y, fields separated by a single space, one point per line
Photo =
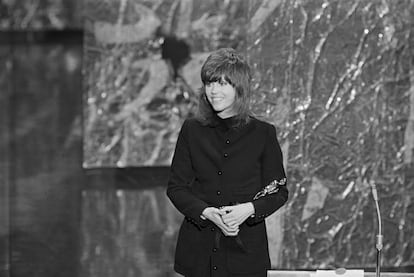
x=218 y=165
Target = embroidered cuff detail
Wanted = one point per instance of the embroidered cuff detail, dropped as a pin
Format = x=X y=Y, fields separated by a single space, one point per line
x=271 y=188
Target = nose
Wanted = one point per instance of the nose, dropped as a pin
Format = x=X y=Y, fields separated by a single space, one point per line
x=213 y=87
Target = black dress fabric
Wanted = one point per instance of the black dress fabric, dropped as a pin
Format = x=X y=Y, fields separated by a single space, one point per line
x=217 y=165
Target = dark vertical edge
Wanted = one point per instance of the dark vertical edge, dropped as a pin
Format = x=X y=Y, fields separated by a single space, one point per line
x=11 y=144
x=5 y=93
x=81 y=184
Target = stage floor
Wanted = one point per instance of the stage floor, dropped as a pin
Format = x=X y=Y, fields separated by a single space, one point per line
x=289 y=273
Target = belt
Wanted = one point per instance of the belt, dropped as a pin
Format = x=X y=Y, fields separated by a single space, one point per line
x=239 y=242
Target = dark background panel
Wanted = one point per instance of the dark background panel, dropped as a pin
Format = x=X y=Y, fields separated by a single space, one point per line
x=45 y=153
x=5 y=88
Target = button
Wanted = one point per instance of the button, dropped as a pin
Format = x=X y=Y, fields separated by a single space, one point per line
x=212 y=229
x=225 y=155
x=227 y=141
x=220 y=172
x=215 y=267
x=214 y=249
x=218 y=192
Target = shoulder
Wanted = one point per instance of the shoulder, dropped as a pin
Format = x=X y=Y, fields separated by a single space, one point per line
x=192 y=122
x=261 y=124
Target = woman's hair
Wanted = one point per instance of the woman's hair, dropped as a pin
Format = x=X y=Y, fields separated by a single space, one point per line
x=228 y=64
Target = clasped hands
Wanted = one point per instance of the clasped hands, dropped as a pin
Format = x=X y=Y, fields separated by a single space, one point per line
x=229 y=218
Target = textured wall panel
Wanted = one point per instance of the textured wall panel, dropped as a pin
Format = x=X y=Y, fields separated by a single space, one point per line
x=45 y=158
x=333 y=76
x=40 y=15
x=128 y=233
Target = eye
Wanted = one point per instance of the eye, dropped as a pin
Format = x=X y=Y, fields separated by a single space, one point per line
x=223 y=82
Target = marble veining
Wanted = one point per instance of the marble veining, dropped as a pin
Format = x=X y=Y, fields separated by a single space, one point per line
x=335 y=77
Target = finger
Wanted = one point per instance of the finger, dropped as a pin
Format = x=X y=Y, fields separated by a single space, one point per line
x=219 y=222
x=228 y=224
x=227 y=228
x=228 y=216
x=221 y=212
x=217 y=211
x=231 y=222
x=226 y=209
x=229 y=233
x=232 y=234
x=232 y=227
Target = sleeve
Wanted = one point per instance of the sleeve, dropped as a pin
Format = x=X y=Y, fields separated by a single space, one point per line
x=181 y=178
x=272 y=169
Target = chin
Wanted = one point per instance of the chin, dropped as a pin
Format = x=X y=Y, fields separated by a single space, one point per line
x=217 y=109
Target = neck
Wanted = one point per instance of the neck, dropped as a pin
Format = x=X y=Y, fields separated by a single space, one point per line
x=226 y=115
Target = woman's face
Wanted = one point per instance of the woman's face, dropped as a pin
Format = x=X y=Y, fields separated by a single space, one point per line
x=222 y=96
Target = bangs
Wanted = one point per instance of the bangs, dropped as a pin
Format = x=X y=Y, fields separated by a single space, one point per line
x=232 y=73
x=211 y=77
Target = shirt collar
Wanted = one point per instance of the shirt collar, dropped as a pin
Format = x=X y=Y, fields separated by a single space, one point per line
x=226 y=124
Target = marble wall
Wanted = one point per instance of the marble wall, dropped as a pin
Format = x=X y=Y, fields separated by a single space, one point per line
x=336 y=78
x=134 y=233
x=41 y=15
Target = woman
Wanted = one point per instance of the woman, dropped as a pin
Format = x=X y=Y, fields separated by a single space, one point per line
x=226 y=177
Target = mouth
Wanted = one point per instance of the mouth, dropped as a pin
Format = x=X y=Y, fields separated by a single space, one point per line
x=216 y=99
